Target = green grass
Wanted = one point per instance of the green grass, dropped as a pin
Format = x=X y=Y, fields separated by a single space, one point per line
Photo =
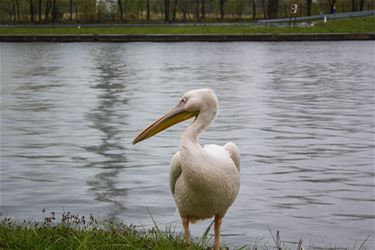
x=63 y=236
x=73 y=232
x=352 y=25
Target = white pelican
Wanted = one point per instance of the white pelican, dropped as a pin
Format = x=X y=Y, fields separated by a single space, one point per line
x=204 y=180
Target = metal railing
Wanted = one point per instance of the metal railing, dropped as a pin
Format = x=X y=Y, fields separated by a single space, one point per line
x=321 y=16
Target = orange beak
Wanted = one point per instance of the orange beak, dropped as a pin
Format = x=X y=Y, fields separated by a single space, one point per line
x=176 y=115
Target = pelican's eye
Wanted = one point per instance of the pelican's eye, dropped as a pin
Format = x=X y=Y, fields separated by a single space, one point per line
x=183 y=101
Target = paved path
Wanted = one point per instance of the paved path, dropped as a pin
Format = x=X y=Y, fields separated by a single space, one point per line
x=329 y=16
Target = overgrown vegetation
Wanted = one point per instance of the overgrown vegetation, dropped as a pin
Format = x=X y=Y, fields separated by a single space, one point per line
x=354 y=25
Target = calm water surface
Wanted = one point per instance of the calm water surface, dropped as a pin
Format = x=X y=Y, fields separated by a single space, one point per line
x=302 y=115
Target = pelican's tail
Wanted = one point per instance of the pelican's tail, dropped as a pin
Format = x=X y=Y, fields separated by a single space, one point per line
x=194 y=220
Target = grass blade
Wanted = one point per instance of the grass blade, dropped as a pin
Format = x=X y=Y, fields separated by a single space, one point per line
x=276 y=242
x=153 y=220
x=368 y=236
x=204 y=239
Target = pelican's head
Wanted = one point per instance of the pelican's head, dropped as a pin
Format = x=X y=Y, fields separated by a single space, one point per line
x=191 y=104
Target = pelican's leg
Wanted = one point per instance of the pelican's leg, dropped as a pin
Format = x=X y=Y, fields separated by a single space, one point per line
x=185 y=224
x=217 y=232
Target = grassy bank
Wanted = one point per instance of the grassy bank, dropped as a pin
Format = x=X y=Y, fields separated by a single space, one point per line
x=72 y=232
x=64 y=237
x=352 y=25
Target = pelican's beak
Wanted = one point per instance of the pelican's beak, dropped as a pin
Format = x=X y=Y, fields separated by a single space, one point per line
x=176 y=115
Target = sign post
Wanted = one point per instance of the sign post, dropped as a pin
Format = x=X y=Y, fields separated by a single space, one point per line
x=293 y=13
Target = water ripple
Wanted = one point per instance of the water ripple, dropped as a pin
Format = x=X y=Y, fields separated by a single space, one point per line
x=302 y=115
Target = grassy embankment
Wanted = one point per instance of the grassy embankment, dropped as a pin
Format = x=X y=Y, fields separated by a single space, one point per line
x=351 y=25
x=73 y=232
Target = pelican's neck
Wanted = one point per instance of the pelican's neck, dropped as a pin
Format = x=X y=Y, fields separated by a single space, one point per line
x=199 y=125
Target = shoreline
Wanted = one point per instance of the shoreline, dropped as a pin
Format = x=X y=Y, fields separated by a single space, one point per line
x=267 y=37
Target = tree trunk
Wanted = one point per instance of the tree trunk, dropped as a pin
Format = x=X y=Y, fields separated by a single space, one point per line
x=309 y=9
x=273 y=8
x=174 y=10
x=264 y=9
x=361 y=5
x=119 y=3
x=166 y=11
x=203 y=10
x=197 y=10
x=254 y=9
x=148 y=10
x=48 y=6
x=18 y=10
x=40 y=11
x=239 y=10
x=182 y=6
x=70 y=10
x=12 y=14
x=286 y=10
x=222 y=2
x=31 y=11
x=54 y=11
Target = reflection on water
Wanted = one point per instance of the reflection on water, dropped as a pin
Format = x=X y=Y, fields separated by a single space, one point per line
x=302 y=115
x=109 y=71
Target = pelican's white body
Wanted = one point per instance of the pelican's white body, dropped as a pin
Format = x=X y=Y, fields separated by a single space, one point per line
x=204 y=180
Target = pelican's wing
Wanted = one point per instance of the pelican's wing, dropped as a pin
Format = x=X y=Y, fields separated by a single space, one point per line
x=234 y=153
x=175 y=170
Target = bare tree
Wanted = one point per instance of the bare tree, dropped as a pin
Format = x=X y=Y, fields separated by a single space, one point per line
x=272 y=8
x=175 y=2
x=31 y=10
x=12 y=13
x=48 y=6
x=119 y=4
x=18 y=10
x=264 y=9
x=54 y=11
x=148 y=10
x=70 y=10
x=166 y=11
x=222 y=3
x=254 y=9
x=203 y=10
x=239 y=7
x=40 y=10
x=197 y=10
x=36 y=11
x=183 y=7
x=361 y=4
x=76 y=10
x=308 y=9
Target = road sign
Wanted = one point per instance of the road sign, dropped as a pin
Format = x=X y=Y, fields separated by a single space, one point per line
x=293 y=8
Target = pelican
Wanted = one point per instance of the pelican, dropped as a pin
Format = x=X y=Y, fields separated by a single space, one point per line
x=204 y=180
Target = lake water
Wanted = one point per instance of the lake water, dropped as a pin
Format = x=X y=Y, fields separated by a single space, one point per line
x=302 y=115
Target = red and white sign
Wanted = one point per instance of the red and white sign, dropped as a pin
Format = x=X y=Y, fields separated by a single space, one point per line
x=293 y=8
